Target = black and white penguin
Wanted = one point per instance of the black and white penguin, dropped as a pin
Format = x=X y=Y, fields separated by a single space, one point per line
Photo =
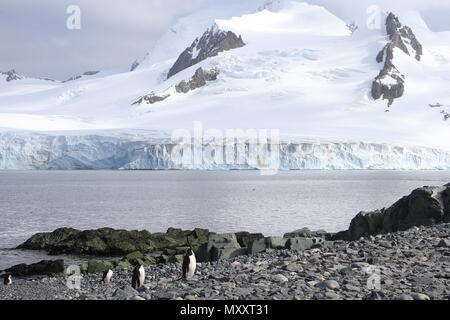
x=107 y=276
x=189 y=263
x=138 y=278
x=7 y=279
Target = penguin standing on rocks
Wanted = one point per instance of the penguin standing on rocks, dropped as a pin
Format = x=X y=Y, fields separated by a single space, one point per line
x=107 y=276
x=189 y=263
x=7 y=279
x=138 y=278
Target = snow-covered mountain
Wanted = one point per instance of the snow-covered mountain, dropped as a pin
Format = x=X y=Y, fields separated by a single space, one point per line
x=358 y=97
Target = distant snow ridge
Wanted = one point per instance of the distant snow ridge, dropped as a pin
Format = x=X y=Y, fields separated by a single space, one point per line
x=390 y=82
x=209 y=45
x=88 y=73
x=24 y=151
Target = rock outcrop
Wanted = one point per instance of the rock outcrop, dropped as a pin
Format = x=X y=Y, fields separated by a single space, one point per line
x=88 y=73
x=198 y=80
x=423 y=207
x=220 y=246
x=151 y=98
x=209 y=45
x=44 y=267
x=390 y=82
x=111 y=242
x=134 y=65
x=12 y=75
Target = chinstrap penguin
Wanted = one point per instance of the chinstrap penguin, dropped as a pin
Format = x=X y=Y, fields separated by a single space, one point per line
x=7 y=279
x=189 y=263
x=107 y=276
x=138 y=278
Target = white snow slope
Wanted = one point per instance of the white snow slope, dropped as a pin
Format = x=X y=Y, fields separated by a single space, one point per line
x=301 y=71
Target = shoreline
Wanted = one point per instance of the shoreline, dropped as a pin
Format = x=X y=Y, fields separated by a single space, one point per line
x=406 y=265
x=405 y=247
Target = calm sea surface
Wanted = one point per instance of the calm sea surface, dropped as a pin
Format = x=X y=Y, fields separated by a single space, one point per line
x=222 y=201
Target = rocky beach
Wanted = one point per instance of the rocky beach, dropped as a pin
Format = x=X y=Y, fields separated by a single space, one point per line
x=401 y=252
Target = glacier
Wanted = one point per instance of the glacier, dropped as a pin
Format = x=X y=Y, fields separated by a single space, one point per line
x=29 y=151
x=302 y=71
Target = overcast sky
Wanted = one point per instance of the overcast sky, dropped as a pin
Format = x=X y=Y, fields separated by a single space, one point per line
x=36 y=42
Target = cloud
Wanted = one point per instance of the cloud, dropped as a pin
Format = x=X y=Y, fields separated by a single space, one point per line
x=434 y=12
x=36 y=41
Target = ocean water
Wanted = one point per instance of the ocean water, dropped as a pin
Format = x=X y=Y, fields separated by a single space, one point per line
x=222 y=201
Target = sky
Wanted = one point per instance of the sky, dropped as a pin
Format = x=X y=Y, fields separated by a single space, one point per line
x=36 y=42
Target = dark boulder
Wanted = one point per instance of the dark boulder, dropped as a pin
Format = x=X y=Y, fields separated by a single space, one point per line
x=44 y=267
x=423 y=207
x=244 y=237
x=306 y=233
x=220 y=246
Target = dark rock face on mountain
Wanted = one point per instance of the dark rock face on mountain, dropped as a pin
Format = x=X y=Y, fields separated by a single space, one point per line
x=88 y=73
x=12 y=75
x=44 y=267
x=151 y=98
x=390 y=82
x=198 y=80
x=403 y=37
x=209 y=45
x=134 y=66
x=423 y=207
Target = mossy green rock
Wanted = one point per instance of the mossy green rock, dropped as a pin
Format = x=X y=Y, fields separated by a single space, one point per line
x=148 y=260
x=83 y=268
x=97 y=266
x=44 y=267
x=111 y=242
x=133 y=256
x=103 y=242
x=122 y=264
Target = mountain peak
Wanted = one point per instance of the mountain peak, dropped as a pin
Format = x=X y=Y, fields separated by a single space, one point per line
x=403 y=37
x=212 y=42
x=390 y=82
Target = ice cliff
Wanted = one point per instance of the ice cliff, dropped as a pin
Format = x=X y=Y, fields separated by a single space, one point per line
x=24 y=151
